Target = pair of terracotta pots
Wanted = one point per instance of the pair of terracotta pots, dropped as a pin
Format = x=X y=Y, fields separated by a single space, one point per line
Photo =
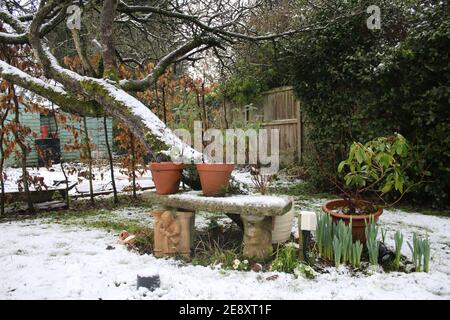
x=214 y=177
x=358 y=220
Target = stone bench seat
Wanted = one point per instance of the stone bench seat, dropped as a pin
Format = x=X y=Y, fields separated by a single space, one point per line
x=257 y=205
x=175 y=218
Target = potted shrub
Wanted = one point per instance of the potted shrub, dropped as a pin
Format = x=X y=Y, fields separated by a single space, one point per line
x=373 y=173
x=214 y=177
x=166 y=176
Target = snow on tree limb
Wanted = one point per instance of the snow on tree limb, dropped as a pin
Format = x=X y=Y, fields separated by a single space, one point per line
x=16 y=24
x=144 y=124
x=21 y=35
x=51 y=92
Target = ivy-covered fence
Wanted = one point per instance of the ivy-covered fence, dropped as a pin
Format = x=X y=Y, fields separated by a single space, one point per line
x=356 y=84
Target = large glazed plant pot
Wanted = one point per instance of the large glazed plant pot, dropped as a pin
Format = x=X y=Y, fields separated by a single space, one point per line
x=214 y=177
x=166 y=176
x=358 y=220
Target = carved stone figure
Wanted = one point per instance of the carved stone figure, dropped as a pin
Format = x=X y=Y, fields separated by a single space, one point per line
x=172 y=232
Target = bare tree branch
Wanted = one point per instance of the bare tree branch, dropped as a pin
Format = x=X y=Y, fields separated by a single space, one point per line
x=140 y=85
x=107 y=35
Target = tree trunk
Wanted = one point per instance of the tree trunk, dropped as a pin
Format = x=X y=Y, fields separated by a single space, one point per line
x=89 y=157
x=61 y=163
x=205 y=115
x=2 y=183
x=107 y=39
x=157 y=100
x=111 y=164
x=164 y=105
x=133 y=165
x=2 y=163
x=225 y=109
x=24 y=150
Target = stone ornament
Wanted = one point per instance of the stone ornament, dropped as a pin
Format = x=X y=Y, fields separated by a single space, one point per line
x=172 y=231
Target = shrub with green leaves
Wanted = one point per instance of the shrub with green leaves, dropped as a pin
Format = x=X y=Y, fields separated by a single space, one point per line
x=376 y=168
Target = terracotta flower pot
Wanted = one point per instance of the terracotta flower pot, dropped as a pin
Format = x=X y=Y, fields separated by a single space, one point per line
x=166 y=176
x=358 y=220
x=214 y=177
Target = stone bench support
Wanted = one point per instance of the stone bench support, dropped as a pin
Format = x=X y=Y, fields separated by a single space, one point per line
x=257 y=236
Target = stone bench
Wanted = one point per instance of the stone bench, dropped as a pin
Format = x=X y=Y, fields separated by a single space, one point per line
x=175 y=218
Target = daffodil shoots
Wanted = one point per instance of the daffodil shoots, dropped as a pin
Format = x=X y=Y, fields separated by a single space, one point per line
x=398 y=248
x=337 y=251
x=356 y=252
x=420 y=249
x=372 y=244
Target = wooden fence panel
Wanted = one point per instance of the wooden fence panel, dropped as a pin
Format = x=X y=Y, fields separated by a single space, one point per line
x=281 y=111
x=277 y=109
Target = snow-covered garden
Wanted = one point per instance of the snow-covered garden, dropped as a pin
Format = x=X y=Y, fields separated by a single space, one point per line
x=57 y=258
x=222 y=149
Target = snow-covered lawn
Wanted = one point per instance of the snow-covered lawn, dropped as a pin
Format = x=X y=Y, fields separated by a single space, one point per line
x=40 y=259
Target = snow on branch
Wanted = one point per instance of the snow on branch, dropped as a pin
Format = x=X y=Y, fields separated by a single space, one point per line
x=52 y=92
x=21 y=35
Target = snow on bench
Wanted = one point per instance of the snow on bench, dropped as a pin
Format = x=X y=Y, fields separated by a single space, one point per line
x=255 y=205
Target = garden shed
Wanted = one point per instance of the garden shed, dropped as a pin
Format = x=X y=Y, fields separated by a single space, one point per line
x=48 y=140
